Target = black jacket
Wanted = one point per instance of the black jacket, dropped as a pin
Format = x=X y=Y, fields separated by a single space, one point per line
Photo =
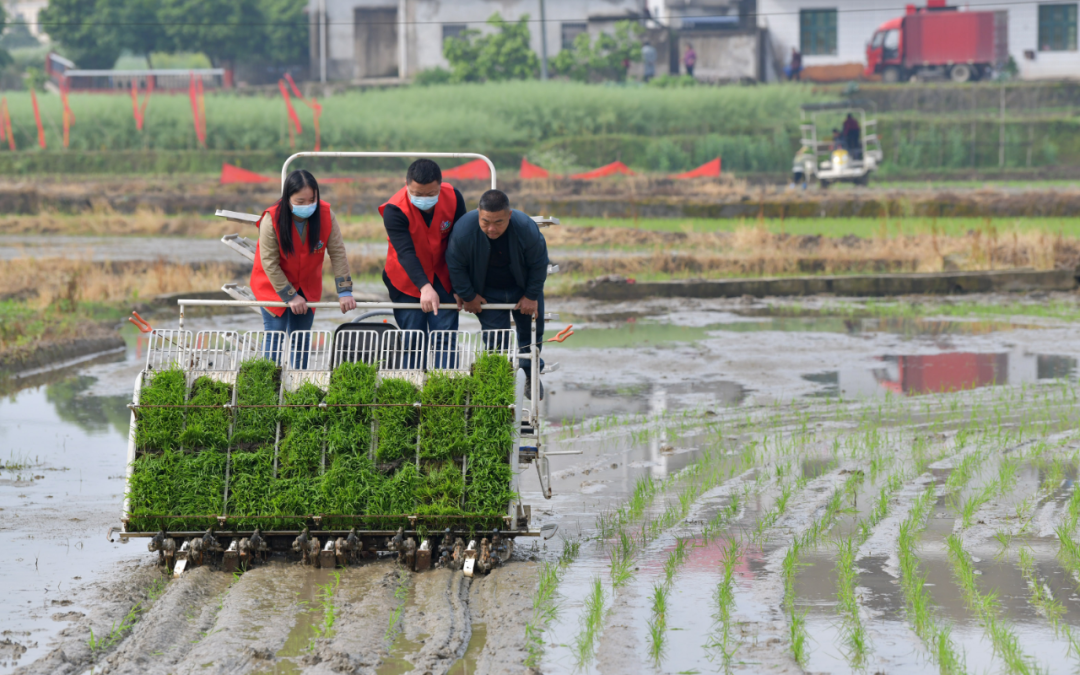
x=467 y=255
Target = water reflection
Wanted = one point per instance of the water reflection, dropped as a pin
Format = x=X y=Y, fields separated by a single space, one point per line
x=949 y=371
x=575 y=401
x=634 y=332
x=93 y=414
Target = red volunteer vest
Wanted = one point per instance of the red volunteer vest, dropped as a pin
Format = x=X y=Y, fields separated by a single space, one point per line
x=303 y=269
x=430 y=242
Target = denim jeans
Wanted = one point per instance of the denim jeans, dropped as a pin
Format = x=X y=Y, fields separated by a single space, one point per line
x=500 y=320
x=286 y=323
x=418 y=319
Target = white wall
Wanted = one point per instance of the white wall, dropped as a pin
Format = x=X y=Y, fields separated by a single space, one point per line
x=854 y=29
x=424 y=37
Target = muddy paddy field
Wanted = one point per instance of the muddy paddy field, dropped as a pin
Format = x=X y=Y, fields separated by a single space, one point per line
x=763 y=486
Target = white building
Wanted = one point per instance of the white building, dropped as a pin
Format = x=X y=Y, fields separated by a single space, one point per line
x=832 y=34
x=26 y=11
x=373 y=40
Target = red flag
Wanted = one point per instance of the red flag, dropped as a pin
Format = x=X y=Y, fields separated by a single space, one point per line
x=69 y=117
x=477 y=169
x=193 y=95
x=530 y=171
x=37 y=118
x=706 y=170
x=292 y=85
x=202 y=110
x=7 y=123
x=606 y=170
x=234 y=174
x=139 y=109
x=135 y=105
x=289 y=106
x=316 y=110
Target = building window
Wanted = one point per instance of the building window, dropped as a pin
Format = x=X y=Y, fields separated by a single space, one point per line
x=452 y=30
x=570 y=31
x=817 y=31
x=1057 y=28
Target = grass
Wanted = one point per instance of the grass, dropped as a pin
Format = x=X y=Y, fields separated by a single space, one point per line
x=591 y=622
x=398 y=423
x=986 y=606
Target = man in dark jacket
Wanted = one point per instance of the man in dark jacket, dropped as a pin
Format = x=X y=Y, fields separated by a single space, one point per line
x=497 y=255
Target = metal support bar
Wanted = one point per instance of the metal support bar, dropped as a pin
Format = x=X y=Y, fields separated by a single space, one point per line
x=192 y=302
x=458 y=155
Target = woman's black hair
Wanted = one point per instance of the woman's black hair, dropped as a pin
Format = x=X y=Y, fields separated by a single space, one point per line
x=297 y=181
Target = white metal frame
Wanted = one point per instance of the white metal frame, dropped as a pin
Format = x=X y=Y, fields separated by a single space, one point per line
x=349 y=343
x=254 y=346
x=214 y=353
x=433 y=155
x=456 y=346
x=316 y=346
x=167 y=348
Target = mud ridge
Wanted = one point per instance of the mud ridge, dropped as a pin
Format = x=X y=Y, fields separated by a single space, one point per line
x=72 y=654
x=175 y=622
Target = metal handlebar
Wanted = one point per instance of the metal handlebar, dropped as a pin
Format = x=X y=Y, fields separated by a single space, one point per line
x=461 y=155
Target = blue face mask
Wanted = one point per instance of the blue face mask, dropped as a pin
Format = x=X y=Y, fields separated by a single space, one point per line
x=303 y=212
x=424 y=203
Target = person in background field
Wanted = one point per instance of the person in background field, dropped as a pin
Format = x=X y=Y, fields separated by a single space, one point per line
x=498 y=255
x=851 y=132
x=689 y=59
x=295 y=235
x=419 y=220
x=794 y=69
x=648 y=58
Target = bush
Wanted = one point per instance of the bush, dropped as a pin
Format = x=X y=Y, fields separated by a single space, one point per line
x=495 y=57
x=430 y=76
x=606 y=60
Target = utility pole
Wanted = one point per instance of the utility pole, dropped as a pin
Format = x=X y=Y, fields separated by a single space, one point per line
x=322 y=41
x=543 y=43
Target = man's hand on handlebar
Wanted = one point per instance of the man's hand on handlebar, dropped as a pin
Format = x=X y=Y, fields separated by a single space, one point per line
x=347 y=303
x=527 y=306
x=473 y=306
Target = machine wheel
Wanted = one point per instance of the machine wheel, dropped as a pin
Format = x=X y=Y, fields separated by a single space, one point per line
x=863 y=180
x=824 y=184
x=891 y=75
x=961 y=72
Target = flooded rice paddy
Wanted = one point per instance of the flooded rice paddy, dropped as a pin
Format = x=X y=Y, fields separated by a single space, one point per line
x=754 y=493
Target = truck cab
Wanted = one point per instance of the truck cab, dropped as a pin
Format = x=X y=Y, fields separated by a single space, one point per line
x=885 y=48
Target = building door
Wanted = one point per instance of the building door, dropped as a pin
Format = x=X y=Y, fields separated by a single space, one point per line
x=376 y=35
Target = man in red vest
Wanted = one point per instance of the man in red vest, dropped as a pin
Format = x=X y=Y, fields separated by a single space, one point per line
x=418 y=221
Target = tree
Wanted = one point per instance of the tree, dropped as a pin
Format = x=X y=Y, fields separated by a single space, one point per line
x=78 y=26
x=225 y=30
x=502 y=55
x=607 y=59
x=137 y=26
x=285 y=32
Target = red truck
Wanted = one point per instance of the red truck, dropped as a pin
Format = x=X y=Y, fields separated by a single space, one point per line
x=936 y=42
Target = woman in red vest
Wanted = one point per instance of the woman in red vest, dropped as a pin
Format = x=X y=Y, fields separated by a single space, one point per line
x=295 y=234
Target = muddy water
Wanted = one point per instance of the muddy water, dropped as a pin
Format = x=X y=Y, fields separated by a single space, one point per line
x=637 y=399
